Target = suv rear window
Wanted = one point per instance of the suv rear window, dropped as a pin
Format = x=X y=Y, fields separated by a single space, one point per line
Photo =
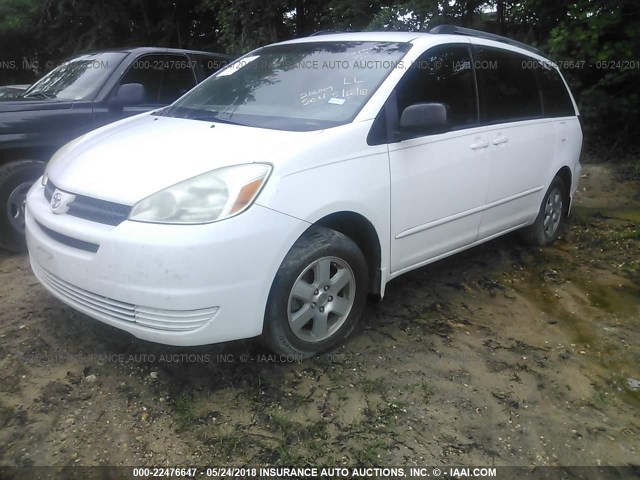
x=508 y=86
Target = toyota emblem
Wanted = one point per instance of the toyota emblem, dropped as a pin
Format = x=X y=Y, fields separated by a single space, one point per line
x=60 y=202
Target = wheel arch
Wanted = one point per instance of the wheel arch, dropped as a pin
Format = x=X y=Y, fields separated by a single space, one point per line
x=566 y=176
x=359 y=229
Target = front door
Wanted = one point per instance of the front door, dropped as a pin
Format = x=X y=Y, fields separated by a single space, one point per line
x=438 y=182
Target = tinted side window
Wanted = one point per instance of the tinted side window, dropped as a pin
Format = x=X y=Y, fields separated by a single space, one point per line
x=142 y=71
x=164 y=77
x=508 y=86
x=555 y=97
x=178 y=79
x=443 y=75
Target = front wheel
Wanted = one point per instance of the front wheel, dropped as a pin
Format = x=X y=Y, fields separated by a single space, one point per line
x=551 y=217
x=16 y=179
x=318 y=294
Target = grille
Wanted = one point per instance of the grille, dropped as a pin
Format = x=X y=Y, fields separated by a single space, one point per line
x=48 y=191
x=157 y=319
x=69 y=241
x=100 y=211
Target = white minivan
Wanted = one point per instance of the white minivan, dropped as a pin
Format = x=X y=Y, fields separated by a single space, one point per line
x=274 y=197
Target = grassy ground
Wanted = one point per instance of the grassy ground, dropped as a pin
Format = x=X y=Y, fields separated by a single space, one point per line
x=502 y=355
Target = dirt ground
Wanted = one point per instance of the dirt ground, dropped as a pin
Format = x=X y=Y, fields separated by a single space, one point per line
x=502 y=355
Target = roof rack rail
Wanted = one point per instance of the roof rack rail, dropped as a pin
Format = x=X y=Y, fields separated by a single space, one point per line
x=324 y=32
x=455 y=30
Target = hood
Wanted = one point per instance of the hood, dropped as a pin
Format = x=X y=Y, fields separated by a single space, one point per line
x=129 y=160
x=29 y=105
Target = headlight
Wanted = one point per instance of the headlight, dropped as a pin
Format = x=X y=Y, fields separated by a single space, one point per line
x=209 y=197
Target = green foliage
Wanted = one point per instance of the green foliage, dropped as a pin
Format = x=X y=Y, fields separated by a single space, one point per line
x=600 y=34
x=248 y=24
x=18 y=14
x=51 y=31
x=413 y=15
x=603 y=34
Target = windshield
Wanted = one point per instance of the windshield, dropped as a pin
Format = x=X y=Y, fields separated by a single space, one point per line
x=299 y=87
x=77 y=79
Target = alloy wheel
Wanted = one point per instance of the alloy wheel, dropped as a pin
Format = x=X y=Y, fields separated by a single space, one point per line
x=321 y=298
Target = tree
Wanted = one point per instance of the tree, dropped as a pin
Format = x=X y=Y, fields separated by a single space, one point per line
x=248 y=24
x=18 y=23
x=602 y=37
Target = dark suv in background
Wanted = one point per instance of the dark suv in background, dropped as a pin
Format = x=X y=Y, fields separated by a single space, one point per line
x=81 y=95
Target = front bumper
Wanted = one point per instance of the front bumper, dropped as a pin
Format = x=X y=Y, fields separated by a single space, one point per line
x=171 y=284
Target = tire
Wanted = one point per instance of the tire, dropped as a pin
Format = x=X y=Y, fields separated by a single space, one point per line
x=15 y=180
x=550 y=221
x=317 y=296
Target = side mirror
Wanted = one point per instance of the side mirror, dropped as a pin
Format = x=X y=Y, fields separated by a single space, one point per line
x=423 y=119
x=129 y=94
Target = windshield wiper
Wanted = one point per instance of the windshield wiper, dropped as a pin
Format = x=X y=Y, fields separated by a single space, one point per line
x=194 y=114
x=216 y=119
x=161 y=112
x=39 y=93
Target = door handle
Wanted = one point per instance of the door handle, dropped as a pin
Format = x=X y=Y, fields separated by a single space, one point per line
x=500 y=139
x=479 y=145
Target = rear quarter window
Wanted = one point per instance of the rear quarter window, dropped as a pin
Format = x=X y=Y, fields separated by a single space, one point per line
x=556 y=101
